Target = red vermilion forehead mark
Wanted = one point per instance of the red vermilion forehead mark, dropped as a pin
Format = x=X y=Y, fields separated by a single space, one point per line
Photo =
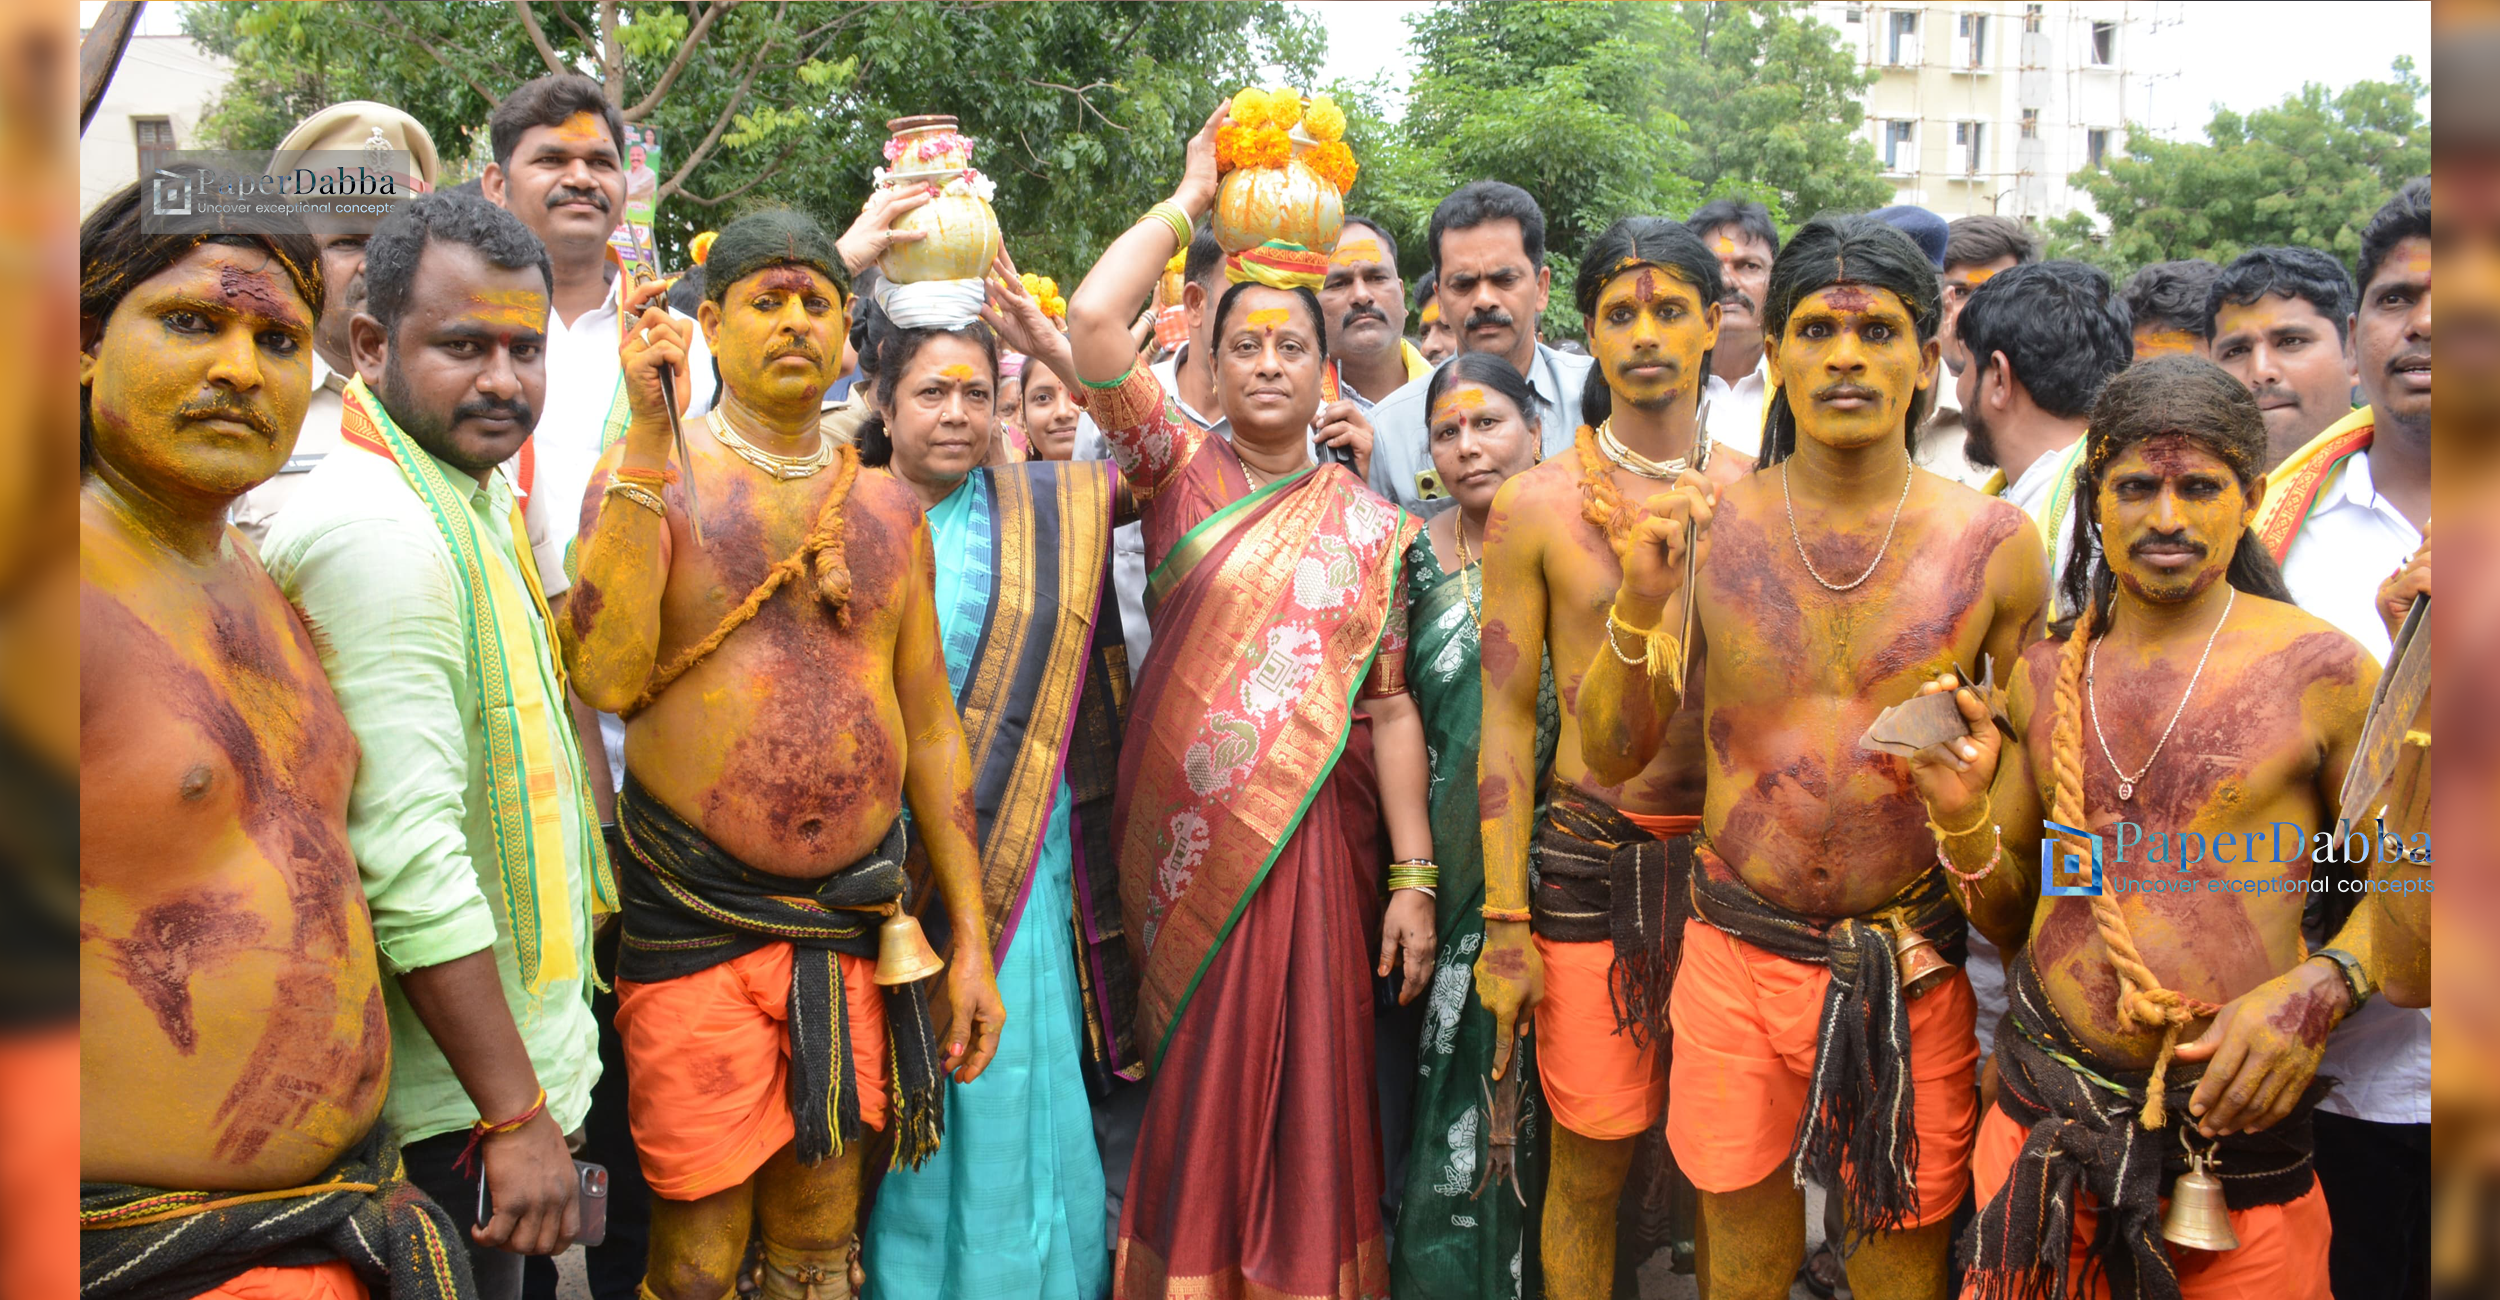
x=1268 y=318
x=790 y=279
x=1459 y=400
x=2173 y=454
x=1849 y=297
x=259 y=293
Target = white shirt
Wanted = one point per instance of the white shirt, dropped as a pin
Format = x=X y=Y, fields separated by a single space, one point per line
x=1733 y=412
x=2035 y=492
x=582 y=380
x=2353 y=539
x=1402 y=447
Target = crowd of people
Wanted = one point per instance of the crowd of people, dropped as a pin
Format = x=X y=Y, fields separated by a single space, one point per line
x=803 y=803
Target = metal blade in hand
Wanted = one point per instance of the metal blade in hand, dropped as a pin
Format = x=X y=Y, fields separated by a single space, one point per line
x=2393 y=707
x=1692 y=564
x=1916 y=723
x=685 y=457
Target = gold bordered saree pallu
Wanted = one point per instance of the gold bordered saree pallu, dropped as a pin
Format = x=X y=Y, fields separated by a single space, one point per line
x=1857 y=1117
x=2086 y=1136
x=1251 y=856
x=145 y=1243
x=1045 y=701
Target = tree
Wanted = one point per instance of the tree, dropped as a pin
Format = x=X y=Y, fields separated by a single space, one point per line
x=1770 y=99
x=1082 y=110
x=2308 y=171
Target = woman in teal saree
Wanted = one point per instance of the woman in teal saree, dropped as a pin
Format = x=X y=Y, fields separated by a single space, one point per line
x=1465 y=1226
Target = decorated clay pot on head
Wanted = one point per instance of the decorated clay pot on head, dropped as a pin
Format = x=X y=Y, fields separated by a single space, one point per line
x=1256 y=204
x=963 y=238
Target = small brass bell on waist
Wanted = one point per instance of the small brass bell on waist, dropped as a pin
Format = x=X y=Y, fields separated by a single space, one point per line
x=2199 y=1219
x=903 y=951
x=1922 y=967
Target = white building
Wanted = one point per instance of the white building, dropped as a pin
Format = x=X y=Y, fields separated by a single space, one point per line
x=1981 y=106
x=162 y=86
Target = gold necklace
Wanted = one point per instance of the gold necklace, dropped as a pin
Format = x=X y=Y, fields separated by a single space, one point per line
x=1664 y=471
x=782 y=468
x=1470 y=584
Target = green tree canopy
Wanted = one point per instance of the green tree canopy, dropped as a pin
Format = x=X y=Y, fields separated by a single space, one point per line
x=2307 y=171
x=1082 y=110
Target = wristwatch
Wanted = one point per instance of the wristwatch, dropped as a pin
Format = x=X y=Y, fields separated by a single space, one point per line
x=2356 y=980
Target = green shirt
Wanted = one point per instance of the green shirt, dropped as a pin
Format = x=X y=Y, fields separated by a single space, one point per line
x=359 y=553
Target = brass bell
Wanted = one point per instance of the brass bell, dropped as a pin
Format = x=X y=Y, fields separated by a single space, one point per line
x=903 y=951
x=2198 y=1218
x=1922 y=967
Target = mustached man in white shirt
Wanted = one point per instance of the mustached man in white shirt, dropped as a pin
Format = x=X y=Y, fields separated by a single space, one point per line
x=2348 y=515
x=560 y=167
x=1738 y=390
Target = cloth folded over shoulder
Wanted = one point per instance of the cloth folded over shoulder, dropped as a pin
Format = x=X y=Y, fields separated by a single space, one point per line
x=146 y=1243
x=689 y=906
x=1855 y=1137
x=2086 y=1137
x=1603 y=877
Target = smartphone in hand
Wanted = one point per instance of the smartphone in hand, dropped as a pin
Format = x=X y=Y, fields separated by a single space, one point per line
x=590 y=1192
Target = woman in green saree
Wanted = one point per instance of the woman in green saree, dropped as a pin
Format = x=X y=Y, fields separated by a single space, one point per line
x=1465 y=1227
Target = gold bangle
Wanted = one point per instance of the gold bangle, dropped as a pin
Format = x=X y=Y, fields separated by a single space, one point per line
x=1944 y=834
x=1170 y=214
x=641 y=496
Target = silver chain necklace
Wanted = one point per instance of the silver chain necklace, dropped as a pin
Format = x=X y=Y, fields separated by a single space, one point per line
x=2091 y=665
x=1663 y=471
x=1799 y=539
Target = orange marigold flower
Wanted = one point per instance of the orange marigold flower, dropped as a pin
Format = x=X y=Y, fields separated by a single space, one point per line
x=1228 y=143
x=1334 y=163
x=1266 y=147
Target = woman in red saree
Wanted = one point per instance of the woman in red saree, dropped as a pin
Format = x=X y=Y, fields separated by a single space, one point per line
x=1273 y=765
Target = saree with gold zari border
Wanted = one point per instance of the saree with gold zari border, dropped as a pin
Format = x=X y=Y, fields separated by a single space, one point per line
x=1251 y=853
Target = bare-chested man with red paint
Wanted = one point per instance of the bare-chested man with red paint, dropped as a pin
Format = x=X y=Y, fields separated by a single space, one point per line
x=785 y=697
x=1591 y=953
x=2191 y=721
x=231 y=1010
x=1838 y=579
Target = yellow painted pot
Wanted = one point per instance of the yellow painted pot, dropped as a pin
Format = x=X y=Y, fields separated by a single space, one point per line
x=1291 y=203
x=963 y=241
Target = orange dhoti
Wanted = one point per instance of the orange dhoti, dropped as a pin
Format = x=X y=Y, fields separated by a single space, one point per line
x=709 y=1059
x=1604 y=1072
x=1745 y=1025
x=2282 y=1252
x=331 y=1280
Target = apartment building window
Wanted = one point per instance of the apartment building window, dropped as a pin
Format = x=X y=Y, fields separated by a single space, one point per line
x=1856 y=14
x=1904 y=42
x=1968 y=136
x=153 y=132
x=2032 y=17
x=2096 y=148
x=2104 y=44
x=2031 y=124
x=1898 y=153
x=1970 y=41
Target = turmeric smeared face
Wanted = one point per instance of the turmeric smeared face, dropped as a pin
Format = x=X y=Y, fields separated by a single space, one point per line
x=1267 y=361
x=777 y=335
x=464 y=369
x=942 y=412
x=1851 y=362
x=1434 y=337
x=2151 y=343
x=2172 y=513
x=1478 y=440
x=198 y=382
x=1650 y=333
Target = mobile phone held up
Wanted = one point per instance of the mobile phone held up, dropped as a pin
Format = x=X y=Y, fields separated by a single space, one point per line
x=590 y=1192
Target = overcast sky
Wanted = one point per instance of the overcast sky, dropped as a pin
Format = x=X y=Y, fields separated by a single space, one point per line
x=2245 y=55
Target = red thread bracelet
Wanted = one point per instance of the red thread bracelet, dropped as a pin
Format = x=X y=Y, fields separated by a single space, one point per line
x=481 y=1130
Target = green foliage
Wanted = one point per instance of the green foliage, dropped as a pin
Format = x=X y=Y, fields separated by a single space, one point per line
x=1770 y=100
x=2309 y=171
x=1082 y=110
